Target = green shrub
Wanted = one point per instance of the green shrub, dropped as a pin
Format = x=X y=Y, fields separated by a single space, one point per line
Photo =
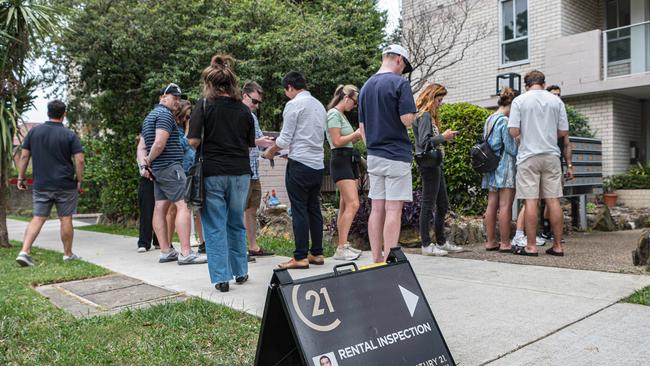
x=578 y=123
x=636 y=178
x=463 y=183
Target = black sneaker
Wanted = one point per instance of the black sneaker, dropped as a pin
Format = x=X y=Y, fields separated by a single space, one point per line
x=241 y=279
x=202 y=248
x=251 y=259
x=222 y=286
x=546 y=236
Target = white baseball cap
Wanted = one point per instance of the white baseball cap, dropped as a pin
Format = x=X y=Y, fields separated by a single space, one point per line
x=399 y=50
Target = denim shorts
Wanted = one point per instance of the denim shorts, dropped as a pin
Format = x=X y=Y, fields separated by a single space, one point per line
x=169 y=183
x=65 y=201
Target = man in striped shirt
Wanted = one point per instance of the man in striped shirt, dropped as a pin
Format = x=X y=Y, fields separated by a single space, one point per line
x=160 y=157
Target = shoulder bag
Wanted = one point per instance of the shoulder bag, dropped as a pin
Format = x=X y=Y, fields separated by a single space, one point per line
x=194 y=188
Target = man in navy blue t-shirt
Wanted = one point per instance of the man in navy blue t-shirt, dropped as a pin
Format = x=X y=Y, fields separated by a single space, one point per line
x=52 y=147
x=386 y=110
x=160 y=157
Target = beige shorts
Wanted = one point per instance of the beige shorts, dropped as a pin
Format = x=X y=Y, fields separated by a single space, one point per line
x=254 y=197
x=539 y=176
x=389 y=179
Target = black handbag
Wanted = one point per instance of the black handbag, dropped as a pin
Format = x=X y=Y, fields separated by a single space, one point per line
x=194 y=188
x=430 y=157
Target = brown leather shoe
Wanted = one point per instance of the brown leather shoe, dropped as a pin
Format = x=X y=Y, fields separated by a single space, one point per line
x=295 y=264
x=316 y=259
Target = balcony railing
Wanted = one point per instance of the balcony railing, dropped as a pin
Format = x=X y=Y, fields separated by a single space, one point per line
x=626 y=50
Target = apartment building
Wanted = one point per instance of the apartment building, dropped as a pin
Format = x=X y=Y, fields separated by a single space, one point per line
x=597 y=51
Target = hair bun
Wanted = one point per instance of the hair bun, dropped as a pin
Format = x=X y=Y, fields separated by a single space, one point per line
x=222 y=62
x=507 y=93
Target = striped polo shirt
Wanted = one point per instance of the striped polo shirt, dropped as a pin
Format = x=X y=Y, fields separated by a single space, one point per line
x=162 y=118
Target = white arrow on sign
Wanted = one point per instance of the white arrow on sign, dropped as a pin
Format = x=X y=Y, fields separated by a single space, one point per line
x=410 y=299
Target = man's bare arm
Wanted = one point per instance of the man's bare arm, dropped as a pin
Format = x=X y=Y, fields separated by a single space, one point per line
x=141 y=152
x=514 y=132
x=79 y=164
x=158 y=145
x=23 y=161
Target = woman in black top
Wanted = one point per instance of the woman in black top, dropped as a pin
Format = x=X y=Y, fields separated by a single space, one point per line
x=228 y=133
x=434 y=187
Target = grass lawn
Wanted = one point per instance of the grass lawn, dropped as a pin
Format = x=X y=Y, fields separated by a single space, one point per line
x=20 y=218
x=641 y=297
x=35 y=332
x=277 y=245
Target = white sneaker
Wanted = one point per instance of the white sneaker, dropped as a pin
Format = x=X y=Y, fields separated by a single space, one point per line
x=142 y=249
x=519 y=241
x=433 y=250
x=191 y=258
x=170 y=256
x=73 y=257
x=346 y=254
x=24 y=259
x=451 y=248
x=540 y=241
x=354 y=249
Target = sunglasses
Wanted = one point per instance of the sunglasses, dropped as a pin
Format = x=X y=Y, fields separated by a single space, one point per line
x=172 y=85
x=255 y=101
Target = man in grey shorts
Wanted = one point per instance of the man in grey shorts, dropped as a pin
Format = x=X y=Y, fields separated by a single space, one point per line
x=386 y=111
x=160 y=157
x=52 y=147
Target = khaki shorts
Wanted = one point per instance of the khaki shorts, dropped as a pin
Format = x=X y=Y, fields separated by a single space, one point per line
x=254 y=197
x=539 y=176
x=389 y=179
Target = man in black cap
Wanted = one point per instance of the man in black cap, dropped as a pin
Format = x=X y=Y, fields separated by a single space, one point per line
x=160 y=157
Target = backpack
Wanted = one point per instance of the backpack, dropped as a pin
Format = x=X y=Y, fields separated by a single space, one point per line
x=483 y=158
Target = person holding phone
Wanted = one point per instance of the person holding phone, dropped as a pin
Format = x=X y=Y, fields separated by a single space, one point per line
x=434 y=187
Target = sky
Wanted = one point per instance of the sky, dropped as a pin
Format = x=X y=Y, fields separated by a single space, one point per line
x=38 y=113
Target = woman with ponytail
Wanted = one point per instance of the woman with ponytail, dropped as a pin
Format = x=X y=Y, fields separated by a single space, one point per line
x=228 y=132
x=429 y=157
x=344 y=164
x=501 y=182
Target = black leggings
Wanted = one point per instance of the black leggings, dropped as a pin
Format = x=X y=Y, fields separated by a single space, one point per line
x=434 y=196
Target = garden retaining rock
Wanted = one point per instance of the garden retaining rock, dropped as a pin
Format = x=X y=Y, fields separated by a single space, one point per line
x=641 y=255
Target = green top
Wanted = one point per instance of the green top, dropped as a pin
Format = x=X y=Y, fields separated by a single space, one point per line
x=336 y=119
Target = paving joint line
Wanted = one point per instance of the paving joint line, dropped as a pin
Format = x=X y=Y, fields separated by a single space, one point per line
x=549 y=334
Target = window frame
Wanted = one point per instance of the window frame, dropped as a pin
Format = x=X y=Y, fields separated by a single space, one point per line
x=619 y=37
x=503 y=42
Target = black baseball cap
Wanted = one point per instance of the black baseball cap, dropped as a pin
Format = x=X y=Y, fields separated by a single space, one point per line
x=172 y=89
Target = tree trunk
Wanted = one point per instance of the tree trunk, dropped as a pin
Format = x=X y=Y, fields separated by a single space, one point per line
x=4 y=233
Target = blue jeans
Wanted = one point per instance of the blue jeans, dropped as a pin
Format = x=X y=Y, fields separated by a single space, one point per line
x=222 y=216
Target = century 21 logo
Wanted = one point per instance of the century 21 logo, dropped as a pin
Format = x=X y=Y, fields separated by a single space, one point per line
x=318 y=309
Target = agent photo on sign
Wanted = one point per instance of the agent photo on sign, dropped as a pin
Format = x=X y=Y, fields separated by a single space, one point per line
x=328 y=359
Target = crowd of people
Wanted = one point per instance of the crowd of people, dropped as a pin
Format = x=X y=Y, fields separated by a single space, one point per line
x=223 y=132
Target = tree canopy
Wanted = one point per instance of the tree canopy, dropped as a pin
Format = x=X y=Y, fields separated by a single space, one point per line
x=116 y=55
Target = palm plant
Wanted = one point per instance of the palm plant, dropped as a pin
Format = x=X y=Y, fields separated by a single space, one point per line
x=22 y=24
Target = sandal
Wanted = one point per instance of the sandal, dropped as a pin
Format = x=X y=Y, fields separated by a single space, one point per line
x=493 y=249
x=550 y=251
x=523 y=251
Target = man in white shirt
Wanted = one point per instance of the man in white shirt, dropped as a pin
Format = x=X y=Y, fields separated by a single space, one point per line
x=304 y=120
x=538 y=119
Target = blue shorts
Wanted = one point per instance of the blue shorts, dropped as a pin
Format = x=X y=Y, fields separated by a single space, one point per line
x=65 y=201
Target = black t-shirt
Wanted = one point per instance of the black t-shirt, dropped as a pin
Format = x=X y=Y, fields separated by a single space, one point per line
x=52 y=146
x=229 y=133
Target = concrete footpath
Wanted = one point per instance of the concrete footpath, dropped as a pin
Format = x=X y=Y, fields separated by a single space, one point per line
x=489 y=313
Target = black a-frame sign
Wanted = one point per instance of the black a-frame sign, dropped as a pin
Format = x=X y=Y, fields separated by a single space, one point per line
x=375 y=316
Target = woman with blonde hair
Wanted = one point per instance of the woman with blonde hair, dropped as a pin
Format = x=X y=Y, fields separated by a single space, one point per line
x=224 y=128
x=429 y=156
x=501 y=182
x=344 y=164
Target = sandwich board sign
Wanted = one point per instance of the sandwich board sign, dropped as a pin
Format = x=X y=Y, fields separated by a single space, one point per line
x=375 y=316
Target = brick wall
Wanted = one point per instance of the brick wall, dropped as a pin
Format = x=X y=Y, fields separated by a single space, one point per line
x=599 y=110
x=273 y=178
x=627 y=128
x=637 y=198
x=580 y=16
x=473 y=79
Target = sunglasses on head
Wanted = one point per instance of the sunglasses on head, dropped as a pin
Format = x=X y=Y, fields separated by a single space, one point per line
x=255 y=101
x=172 y=85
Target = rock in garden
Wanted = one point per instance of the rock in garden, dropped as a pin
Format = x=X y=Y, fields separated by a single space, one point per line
x=641 y=255
x=278 y=224
x=604 y=221
x=409 y=237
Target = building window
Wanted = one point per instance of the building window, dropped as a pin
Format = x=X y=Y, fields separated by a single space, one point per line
x=618 y=41
x=514 y=31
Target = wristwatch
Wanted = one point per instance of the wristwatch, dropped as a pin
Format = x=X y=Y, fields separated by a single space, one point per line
x=569 y=166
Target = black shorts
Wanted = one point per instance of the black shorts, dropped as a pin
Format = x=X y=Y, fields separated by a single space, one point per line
x=342 y=165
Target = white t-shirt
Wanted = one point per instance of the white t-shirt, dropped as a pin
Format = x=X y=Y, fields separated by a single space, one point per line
x=539 y=115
